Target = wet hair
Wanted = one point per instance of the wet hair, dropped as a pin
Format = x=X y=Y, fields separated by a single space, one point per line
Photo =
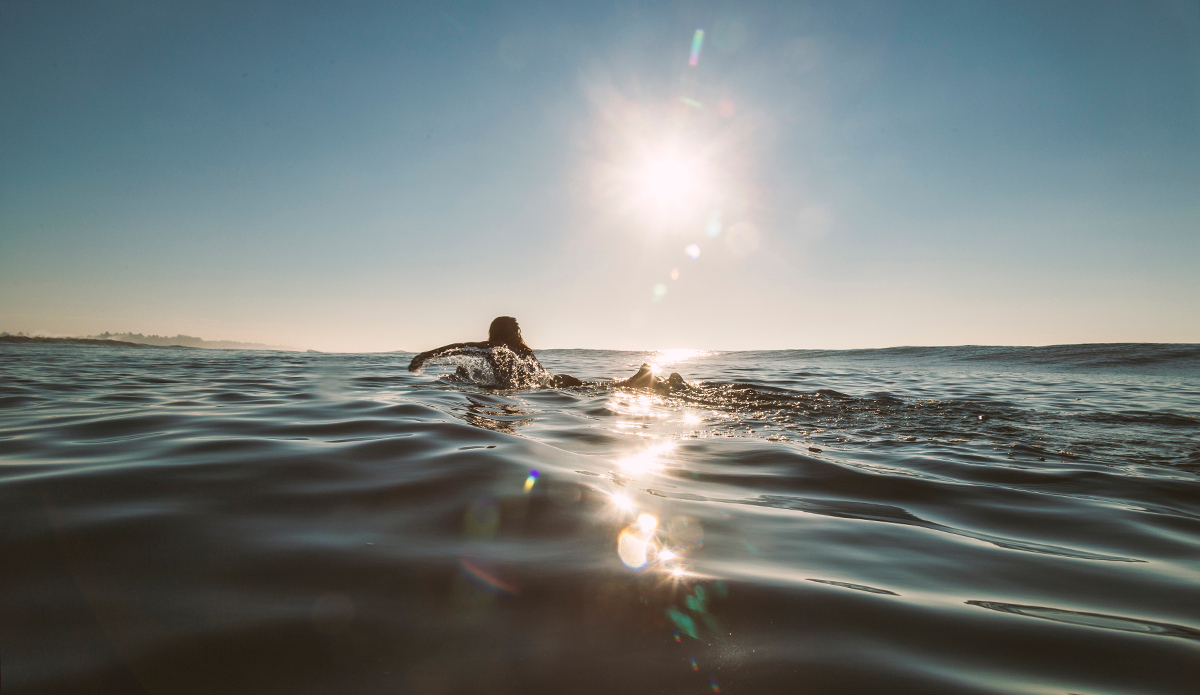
x=505 y=331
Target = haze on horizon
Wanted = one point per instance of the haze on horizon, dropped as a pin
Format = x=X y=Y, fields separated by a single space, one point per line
x=384 y=176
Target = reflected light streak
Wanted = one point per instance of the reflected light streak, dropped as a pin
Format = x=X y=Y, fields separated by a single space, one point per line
x=628 y=404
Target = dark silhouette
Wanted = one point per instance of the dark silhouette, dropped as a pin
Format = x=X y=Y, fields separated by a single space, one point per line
x=505 y=352
x=645 y=379
x=511 y=359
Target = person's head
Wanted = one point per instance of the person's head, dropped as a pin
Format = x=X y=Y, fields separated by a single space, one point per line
x=505 y=331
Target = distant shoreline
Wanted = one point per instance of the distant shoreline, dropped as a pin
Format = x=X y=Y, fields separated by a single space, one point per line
x=140 y=340
x=24 y=339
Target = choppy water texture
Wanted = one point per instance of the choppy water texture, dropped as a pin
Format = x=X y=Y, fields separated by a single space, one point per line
x=951 y=520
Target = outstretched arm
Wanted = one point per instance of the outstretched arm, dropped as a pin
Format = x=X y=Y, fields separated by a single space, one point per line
x=444 y=351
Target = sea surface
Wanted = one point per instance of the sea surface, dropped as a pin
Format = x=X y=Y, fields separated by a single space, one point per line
x=910 y=520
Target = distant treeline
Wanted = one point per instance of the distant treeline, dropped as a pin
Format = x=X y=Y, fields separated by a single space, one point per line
x=23 y=338
x=138 y=339
x=185 y=341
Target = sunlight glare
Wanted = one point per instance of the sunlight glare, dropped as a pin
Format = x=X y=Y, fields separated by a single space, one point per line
x=646 y=461
x=667 y=180
x=677 y=355
x=667 y=184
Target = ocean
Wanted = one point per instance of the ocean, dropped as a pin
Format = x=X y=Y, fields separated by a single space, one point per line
x=908 y=520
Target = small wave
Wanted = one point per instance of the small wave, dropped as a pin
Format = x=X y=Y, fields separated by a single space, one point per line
x=856 y=587
x=1101 y=620
x=868 y=511
x=1144 y=418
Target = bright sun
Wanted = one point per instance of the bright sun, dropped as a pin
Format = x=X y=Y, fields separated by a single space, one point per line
x=667 y=184
x=667 y=181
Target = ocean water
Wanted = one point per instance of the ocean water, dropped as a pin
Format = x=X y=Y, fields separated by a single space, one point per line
x=914 y=520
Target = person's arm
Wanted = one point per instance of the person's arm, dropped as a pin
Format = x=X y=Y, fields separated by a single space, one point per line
x=445 y=351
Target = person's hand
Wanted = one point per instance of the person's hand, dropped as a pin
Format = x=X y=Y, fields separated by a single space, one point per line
x=562 y=381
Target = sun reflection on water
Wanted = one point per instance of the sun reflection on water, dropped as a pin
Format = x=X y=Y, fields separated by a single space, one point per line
x=646 y=461
x=673 y=356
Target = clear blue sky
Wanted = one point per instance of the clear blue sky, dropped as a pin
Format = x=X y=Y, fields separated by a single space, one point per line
x=377 y=176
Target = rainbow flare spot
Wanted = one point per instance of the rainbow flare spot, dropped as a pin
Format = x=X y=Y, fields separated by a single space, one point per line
x=533 y=476
x=486 y=580
x=697 y=43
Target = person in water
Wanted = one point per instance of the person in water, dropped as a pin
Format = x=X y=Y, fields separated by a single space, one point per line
x=514 y=364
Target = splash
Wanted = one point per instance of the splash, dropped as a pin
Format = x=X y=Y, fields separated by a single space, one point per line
x=496 y=367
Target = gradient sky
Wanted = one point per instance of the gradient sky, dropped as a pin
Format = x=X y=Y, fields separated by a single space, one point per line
x=380 y=176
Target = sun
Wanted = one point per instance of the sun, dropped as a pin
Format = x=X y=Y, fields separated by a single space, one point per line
x=667 y=184
x=667 y=181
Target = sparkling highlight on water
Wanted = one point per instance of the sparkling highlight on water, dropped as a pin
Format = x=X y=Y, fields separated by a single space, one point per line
x=697 y=43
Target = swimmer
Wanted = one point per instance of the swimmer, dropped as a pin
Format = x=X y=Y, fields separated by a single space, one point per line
x=511 y=360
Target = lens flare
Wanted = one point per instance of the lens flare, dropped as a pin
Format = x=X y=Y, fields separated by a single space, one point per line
x=692 y=251
x=484 y=579
x=533 y=476
x=632 y=546
x=712 y=229
x=697 y=44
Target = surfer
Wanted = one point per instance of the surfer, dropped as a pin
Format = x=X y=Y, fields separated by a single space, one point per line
x=512 y=361
x=515 y=366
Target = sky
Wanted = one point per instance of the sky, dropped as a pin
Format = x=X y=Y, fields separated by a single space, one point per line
x=371 y=176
